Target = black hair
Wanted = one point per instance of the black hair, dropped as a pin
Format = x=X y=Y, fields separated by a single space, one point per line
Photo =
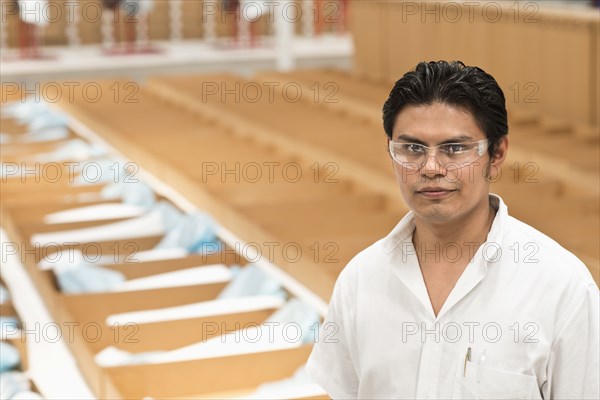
x=454 y=84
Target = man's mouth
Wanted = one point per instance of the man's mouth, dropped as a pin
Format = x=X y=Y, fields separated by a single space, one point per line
x=435 y=192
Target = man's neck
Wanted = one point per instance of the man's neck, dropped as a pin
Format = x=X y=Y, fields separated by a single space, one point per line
x=468 y=233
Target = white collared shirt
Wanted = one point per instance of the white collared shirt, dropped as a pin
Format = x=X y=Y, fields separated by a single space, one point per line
x=525 y=309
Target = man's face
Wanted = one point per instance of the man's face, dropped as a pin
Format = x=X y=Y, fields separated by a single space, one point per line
x=436 y=194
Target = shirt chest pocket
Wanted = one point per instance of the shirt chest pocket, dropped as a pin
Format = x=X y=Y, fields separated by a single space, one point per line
x=491 y=383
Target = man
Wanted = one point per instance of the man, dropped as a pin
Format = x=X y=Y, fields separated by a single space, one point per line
x=460 y=300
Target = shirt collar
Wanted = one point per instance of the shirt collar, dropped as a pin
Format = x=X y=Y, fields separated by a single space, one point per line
x=404 y=262
x=403 y=231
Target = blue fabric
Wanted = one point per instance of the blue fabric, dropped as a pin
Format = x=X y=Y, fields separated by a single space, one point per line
x=9 y=324
x=47 y=119
x=87 y=278
x=4 y=295
x=12 y=383
x=192 y=232
x=35 y=112
x=169 y=214
x=138 y=194
x=9 y=357
x=23 y=111
x=104 y=170
x=75 y=149
x=134 y=193
x=251 y=281
x=46 y=135
x=301 y=313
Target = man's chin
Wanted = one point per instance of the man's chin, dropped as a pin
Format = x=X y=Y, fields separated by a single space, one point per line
x=434 y=213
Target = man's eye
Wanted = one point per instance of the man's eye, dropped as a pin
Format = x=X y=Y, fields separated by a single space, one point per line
x=413 y=148
x=453 y=148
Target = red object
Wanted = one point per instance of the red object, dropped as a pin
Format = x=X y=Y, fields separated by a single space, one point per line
x=28 y=43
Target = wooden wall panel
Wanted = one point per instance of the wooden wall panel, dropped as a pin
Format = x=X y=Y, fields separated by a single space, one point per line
x=545 y=59
x=594 y=81
x=526 y=92
x=159 y=21
x=91 y=21
x=576 y=64
x=371 y=39
x=54 y=32
x=192 y=16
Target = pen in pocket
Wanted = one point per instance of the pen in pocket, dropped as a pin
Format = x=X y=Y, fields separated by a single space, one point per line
x=467 y=358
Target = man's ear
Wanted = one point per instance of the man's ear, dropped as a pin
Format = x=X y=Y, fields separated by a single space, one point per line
x=494 y=166
x=500 y=154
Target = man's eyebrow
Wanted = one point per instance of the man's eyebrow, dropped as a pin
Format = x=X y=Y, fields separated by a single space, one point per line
x=455 y=139
x=411 y=139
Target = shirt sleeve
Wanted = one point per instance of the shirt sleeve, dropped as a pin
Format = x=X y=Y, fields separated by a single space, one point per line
x=331 y=364
x=574 y=366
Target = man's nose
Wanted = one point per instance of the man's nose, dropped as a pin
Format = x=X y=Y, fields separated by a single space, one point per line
x=432 y=166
